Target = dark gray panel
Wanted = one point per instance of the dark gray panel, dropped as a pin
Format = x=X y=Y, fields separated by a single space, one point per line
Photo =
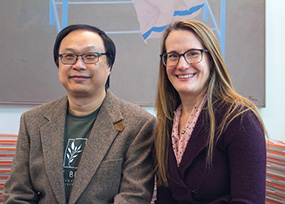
x=28 y=74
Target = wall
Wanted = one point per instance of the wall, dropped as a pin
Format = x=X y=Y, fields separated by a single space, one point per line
x=274 y=112
x=275 y=71
x=23 y=28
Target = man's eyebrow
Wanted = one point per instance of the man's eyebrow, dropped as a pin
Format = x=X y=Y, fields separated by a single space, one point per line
x=68 y=49
x=92 y=48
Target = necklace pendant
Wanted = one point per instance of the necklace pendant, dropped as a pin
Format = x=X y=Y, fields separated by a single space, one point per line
x=182 y=132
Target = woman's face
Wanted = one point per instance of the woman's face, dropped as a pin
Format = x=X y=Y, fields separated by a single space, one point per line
x=187 y=79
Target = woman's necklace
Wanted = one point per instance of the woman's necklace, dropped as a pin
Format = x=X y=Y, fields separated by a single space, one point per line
x=189 y=118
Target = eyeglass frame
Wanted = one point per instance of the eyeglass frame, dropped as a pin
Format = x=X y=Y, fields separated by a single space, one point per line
x=162 y=56
x=76 y=59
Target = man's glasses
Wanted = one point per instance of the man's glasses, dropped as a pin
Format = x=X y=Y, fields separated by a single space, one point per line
x=192 y=56
x=87 y=58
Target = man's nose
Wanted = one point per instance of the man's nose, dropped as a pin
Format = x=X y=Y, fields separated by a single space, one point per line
x=79 y=64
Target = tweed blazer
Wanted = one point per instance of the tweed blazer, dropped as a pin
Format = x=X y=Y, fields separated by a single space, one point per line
x=116 y=165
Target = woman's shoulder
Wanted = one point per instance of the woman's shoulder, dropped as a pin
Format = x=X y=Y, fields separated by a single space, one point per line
x=223 y=108
x=237 y=117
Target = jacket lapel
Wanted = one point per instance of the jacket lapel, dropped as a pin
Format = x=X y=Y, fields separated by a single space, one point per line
x=177 y=174
x=196 y=144
x=52 y=143
x=105 y=129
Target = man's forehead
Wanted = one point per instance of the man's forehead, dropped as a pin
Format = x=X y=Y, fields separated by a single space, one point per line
x=83 y=35
x=82 y=41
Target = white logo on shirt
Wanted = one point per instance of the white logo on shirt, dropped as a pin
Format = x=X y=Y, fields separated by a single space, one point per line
x=73 y=149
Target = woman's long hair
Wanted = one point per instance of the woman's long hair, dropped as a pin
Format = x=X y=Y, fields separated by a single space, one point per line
x=219 y=88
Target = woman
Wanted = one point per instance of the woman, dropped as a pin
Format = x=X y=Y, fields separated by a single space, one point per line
x=210 y=141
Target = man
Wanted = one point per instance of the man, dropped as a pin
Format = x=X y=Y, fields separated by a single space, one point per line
x=89 y=146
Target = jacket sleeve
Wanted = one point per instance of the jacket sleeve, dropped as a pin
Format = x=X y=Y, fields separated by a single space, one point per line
x=137 y=182
x=245 y=141
x=18 y=188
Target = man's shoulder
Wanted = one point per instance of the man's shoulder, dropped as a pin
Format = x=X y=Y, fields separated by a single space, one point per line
x=127 y=108
x=43 y=108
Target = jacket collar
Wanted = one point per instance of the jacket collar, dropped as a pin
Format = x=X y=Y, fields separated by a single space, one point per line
x=108 y=123
x=52 y=143
x=101 y=137
x=196 y=144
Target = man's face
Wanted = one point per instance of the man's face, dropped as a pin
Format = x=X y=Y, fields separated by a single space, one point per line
x=80 y=79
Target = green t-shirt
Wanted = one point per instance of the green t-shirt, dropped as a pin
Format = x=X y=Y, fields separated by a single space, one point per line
x=77 y=130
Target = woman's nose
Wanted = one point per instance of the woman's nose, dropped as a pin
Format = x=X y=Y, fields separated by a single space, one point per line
x=182 y=63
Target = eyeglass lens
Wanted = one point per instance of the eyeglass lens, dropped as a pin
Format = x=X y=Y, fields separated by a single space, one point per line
x=87 y=58
x=190 y=56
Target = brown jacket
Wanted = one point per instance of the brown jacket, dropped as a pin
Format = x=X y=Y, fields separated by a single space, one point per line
x=116 y=165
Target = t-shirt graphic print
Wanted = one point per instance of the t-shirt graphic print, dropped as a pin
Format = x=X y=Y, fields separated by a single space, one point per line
x=73 y=151
x=72 y=155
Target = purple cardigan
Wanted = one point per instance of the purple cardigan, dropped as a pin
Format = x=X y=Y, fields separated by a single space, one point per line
x=238 y=171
